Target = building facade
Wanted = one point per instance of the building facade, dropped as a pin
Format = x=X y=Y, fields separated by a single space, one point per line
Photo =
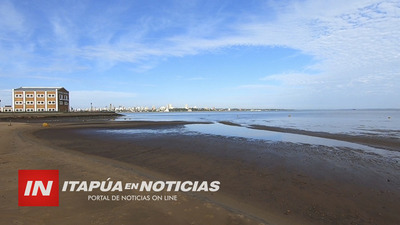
x=6 y=108
x=40 y=99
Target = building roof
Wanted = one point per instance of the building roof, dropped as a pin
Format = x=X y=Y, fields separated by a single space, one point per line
x=39 y=88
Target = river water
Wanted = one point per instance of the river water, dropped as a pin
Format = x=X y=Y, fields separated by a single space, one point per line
x=385 y=123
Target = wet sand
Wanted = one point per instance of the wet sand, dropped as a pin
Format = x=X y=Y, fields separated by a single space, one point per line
x=374 y=141
x=21 y=150
x=261 y=182
x=56 y=116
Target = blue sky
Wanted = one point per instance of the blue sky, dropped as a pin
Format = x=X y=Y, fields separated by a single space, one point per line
x=252 y=54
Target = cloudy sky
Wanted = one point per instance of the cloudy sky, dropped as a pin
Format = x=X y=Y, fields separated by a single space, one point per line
x=258 y=54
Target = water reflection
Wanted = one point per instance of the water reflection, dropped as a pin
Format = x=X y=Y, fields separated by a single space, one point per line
x=244 y=132
x=248 y=133
x=384 y=123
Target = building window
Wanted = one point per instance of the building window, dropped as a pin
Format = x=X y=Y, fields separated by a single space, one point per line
x=40 y=103
x=18 y=103
x=40 y=95
x=29 y=95
x=65 y=103
x=61 y=102
x=18 y=95
x=51 y=95
x=51 y=103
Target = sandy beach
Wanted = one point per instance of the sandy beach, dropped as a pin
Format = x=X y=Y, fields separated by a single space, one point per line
x=56 y=116
x=261 y=182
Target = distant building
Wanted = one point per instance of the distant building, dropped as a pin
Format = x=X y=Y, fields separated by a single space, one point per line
x=169 y=106
x=7 y=108
x=40 y=99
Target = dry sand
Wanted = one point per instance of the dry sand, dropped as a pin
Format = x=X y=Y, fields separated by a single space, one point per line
x=261 y=182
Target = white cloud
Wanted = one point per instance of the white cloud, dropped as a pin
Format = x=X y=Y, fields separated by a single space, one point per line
x=356 y=46
x=347 y=38
x=294 y=79
x=331 y=31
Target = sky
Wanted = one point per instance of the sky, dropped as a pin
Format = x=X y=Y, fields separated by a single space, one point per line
x=297 y=54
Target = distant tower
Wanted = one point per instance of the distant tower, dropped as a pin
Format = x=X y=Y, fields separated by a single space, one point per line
x=170 y=106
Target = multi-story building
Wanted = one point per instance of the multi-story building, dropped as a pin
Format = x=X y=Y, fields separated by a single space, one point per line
x=40 y=99
x=6 y=108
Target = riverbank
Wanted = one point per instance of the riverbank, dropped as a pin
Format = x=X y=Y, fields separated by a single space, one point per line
x=379 y=142
x=20 y=150
x=271 y=181
x=56 y=116
x=261 y=182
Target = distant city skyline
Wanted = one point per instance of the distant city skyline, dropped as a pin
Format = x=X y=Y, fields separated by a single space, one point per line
x=293 y=54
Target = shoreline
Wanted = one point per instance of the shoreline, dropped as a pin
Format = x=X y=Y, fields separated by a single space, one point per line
x=261 y=183
x=378 y=142
x=21 y=150
x=313 y=184
x=51 y=116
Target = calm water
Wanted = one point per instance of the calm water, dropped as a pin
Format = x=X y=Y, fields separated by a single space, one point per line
x=247 y=133
x=385 y=123
x=365 y=122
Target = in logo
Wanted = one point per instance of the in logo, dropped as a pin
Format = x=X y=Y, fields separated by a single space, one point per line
x=38 y=188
